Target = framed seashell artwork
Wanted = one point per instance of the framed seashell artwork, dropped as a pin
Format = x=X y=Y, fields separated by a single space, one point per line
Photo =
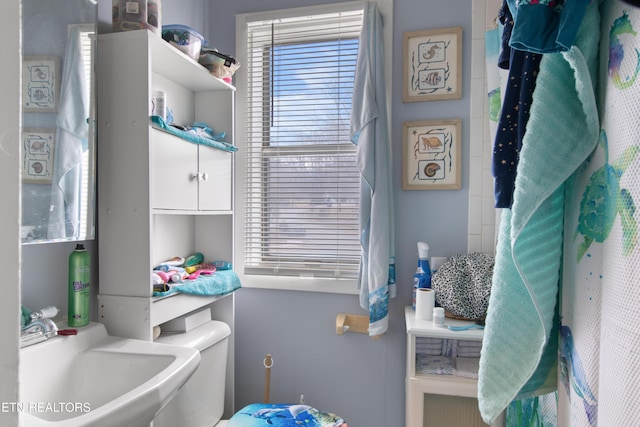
x=40 y=83
x=37 y=155
x=431 y=157
x=432 y=65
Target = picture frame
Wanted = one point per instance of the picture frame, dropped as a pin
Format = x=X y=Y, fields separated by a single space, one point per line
x=40 y=83
x=432 y=65
x=38 y=148
x=431 y=155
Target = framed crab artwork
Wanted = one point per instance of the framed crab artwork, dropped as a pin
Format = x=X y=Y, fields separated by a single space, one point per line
x=37 y=155
x=432 y=65
x=431 y=155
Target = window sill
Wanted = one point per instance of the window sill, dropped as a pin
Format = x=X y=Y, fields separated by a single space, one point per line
x=334 y=286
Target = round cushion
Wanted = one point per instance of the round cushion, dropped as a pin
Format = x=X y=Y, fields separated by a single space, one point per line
x=462 y=285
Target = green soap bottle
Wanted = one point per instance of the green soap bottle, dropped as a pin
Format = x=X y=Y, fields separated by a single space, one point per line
x=79 y=292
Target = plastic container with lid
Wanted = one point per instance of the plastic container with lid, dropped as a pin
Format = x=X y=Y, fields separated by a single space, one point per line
x=219 y=64
x=184 y=38
x=136 y=15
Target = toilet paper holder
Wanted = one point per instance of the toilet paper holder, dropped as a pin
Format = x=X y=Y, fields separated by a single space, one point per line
x=352 y=323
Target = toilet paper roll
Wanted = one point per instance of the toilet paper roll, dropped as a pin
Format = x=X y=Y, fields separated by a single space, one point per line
x=425 y=301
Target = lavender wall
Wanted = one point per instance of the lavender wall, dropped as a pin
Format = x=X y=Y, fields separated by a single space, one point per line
x=352 y=375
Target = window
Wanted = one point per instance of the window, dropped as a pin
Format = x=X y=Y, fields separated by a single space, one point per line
x=87 y=37
x=300 y=207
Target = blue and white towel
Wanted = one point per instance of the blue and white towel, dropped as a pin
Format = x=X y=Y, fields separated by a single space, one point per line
x=370 y=132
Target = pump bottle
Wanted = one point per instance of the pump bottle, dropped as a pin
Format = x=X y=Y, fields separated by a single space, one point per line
x=79 y=292
x=422 y=278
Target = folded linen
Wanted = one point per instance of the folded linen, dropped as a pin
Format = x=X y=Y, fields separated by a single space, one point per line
x=434 y=365
x=466 y=367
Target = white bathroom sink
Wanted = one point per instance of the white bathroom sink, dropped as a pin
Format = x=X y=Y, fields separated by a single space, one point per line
x=93 y=379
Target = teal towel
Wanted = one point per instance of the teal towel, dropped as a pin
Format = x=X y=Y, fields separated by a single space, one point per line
x=220 y=283
x=25 y=319
x=159 y=123
x=519 y=352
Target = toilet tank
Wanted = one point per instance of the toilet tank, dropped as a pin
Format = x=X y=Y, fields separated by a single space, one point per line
x=200 y=402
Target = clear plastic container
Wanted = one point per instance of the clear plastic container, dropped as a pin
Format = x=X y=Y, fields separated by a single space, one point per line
x=130 y=15
x=184 y=38
x=219 y=64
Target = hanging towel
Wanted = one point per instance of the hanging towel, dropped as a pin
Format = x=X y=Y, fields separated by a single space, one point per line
x=546 y=26
x=71 y=142
x=370 y=132
x=519 y=351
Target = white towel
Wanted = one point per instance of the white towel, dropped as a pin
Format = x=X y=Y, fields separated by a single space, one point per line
x=71 y=142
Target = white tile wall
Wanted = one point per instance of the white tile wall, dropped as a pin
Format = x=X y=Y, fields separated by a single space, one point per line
x=482 y=214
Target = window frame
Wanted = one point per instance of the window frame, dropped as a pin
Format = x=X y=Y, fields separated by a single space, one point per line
x=315 y=284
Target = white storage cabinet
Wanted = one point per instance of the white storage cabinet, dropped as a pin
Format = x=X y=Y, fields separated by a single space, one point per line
x=158 y=195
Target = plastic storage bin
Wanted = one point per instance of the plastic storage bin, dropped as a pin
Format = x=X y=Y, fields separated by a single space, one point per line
x=184 y=38
x=136 y=15
x=219 y=65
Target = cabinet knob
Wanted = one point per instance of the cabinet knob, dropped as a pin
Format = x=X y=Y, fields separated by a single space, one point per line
x=205 y=176
x=195 y=177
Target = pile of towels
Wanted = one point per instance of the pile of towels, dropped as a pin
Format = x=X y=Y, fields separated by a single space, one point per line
x=438 y=356
x=194 y=275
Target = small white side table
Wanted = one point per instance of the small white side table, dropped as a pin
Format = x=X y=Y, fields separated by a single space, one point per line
x=452 y=397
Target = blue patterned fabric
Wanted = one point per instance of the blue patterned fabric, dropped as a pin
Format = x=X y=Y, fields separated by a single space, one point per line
x=283 y=415
x=523 y=70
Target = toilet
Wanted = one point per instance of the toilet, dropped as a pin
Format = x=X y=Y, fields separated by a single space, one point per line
x=200 y=402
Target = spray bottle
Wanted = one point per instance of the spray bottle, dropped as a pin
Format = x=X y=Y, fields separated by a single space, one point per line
x=422 y=278
x=79 y=292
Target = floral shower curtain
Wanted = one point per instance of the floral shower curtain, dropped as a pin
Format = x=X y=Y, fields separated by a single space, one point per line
x=599 y=363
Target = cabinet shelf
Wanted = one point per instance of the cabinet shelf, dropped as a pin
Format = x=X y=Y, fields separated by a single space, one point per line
x=169 y=62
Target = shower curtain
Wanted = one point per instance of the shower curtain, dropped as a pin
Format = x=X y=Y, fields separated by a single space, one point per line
x=599 y=361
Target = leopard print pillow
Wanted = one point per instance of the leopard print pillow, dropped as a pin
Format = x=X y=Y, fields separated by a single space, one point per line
x=462 y=285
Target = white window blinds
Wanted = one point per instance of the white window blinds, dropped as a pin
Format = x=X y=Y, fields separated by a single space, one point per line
x=302 y=181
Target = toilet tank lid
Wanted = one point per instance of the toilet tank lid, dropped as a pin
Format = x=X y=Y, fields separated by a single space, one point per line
x=200 y=338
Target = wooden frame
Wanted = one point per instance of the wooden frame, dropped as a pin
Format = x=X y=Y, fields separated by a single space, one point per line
x=40 y=83
x=37 y=155
x=432 y=65
x=431 y=155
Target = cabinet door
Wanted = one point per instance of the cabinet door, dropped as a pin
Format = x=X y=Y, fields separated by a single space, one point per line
x=215 y=179
x=174 y=172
